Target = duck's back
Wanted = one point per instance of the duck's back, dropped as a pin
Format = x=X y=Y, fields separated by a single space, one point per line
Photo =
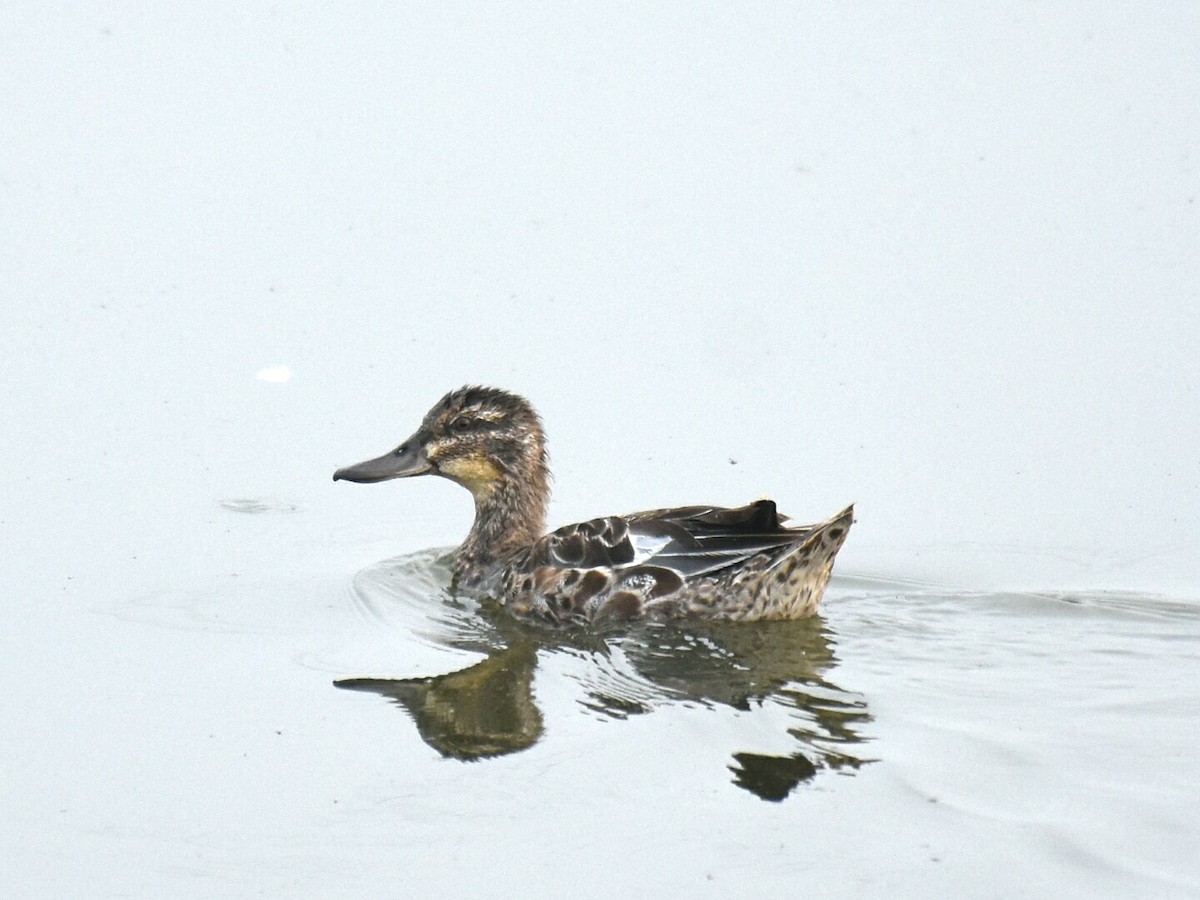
x=704 y=561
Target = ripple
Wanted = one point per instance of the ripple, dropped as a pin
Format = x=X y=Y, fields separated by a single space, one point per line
x=731 y=669
x=411 y=594
x=252 y=505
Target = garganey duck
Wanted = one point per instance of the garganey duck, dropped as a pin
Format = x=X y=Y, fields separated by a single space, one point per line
x=695 y=561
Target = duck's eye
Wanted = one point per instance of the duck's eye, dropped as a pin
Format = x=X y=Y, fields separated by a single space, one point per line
x=461 y=425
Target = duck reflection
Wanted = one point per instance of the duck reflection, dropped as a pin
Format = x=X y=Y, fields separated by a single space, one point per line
x=483 y=710
x=488 y=709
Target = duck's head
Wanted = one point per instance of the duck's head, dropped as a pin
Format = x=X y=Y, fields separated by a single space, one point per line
x=483 y=438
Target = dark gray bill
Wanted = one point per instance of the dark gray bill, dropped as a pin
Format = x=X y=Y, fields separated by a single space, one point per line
x=405 y=461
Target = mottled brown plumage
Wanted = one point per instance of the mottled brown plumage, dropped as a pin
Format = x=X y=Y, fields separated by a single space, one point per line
x=704 y=561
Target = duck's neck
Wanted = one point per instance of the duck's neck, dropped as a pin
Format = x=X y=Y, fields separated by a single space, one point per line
x=510 y=515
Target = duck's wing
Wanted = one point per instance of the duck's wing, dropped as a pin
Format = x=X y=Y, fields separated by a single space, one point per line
x=596 y=543
x=697 y=541
x=617 y=564
x=692 y=540
x=572 y=573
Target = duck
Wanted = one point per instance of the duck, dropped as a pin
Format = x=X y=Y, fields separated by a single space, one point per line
x=690 y=562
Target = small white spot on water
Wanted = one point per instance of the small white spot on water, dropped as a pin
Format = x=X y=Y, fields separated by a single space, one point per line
x=275 y=374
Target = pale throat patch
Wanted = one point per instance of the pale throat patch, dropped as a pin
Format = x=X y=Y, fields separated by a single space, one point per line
x=477 y=474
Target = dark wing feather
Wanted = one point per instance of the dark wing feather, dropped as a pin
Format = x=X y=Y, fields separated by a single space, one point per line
x=691 y=539
x=704 y=540
x=586 y=545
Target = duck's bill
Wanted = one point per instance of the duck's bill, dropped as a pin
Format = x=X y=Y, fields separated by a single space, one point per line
x=405 y=461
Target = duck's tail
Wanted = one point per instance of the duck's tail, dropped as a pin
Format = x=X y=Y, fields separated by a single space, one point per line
x=793 y=585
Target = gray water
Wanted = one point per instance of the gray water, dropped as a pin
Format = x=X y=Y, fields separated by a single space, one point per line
x=1002 y=725
x=939 y=262
x=293 y=734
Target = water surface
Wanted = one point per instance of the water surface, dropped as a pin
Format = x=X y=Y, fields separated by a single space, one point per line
x=1060 y=726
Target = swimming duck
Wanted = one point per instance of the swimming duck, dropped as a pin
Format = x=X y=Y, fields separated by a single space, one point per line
x=708 y=562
